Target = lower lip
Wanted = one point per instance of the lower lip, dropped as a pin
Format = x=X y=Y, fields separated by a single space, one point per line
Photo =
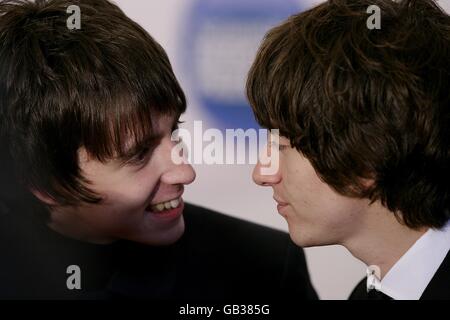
x=171 y=214
x=280 y=209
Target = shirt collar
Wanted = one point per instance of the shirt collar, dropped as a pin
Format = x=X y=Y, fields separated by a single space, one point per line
x=411 y=274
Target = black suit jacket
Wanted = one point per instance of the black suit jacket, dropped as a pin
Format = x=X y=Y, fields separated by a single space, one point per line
x=219 y=258
x=437 y=289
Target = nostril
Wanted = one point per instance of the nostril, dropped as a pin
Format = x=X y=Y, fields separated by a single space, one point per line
x=257 y=179
x=256 y=175
x=192 y=176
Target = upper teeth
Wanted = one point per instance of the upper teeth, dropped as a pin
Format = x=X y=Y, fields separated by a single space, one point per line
x=171 y=204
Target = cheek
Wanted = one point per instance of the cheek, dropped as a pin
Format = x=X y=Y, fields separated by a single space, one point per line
x=302 y=187
x=122 y=205
x=314 y=201
x=127 y=189
x=337 y=215
x=126 y=197
x=122 y=201
x=131 y=194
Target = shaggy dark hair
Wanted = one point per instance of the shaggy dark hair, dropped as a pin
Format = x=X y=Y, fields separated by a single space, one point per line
x=364 y=104
x=97 y=87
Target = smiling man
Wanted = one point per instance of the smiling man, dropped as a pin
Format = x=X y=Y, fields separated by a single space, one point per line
x=364 y=150
x=90 y=202
x=142 y=191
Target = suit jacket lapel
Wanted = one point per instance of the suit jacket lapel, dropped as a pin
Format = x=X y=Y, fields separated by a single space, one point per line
x=439 y=286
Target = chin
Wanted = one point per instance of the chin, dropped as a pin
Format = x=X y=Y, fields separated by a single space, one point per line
x=298 y=240
x=307 y=240
x=169 y=236
x=303 y=239
x=174 y=234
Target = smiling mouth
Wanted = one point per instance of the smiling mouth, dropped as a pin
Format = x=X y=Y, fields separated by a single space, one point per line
x=165 y=205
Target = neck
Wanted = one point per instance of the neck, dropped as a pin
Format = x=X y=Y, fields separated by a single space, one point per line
x=382 y=240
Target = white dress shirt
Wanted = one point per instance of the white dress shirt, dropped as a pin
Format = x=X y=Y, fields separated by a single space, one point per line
x=411 y=274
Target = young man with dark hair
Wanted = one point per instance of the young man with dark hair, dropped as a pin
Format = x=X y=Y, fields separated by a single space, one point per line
x=364 y=120
x=91 y=203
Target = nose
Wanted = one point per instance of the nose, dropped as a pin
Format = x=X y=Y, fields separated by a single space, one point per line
x=176 y=173
x=179 y=174
x=265 y=179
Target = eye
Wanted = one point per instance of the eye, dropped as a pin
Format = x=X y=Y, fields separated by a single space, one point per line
x=277 y=145
x=280 y=147
x=176 y=125
x=142 y=157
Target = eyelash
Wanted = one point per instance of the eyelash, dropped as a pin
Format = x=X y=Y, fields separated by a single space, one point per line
x=175 y=127
x=140 y=158
x=279 y=146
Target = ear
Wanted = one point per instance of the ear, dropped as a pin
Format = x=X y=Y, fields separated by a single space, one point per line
x=367 y=182
x=43 y=197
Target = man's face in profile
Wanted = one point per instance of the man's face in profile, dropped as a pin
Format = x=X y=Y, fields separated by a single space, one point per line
x=141 y=198
x=315 y=213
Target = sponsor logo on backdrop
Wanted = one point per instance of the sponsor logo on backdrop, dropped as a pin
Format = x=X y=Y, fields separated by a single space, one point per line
x=220 y=41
